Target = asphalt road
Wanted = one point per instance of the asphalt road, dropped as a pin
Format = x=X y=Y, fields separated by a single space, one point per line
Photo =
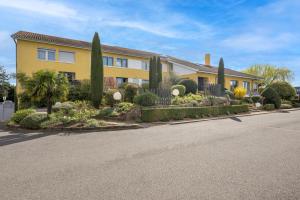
x=256 y=157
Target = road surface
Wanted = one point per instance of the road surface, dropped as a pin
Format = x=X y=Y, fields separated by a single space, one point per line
x=254 y=157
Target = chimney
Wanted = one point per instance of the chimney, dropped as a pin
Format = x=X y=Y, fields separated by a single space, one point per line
x=207 y=59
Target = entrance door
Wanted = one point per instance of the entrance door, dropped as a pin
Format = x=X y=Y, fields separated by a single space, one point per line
x=201 y=83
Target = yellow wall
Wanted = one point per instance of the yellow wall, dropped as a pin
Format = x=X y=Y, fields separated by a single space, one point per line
x=28 y=62
x=212 y=79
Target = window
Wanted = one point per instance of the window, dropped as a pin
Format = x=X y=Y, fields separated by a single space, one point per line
x=233 y=84
x=66 y=57
x=171 y=68
x=255 y=87
x=246 y=85
x=122 y=62
x=145 y=81
x=108 y=61
x=135 y=81
x=121 y=81
x=145 y=65
x=70 y=75
x=46 y=54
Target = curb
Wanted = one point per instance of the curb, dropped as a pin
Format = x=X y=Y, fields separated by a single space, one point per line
x=80 y=130
x=230 y=116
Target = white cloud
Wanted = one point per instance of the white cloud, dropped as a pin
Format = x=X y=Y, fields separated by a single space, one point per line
x=54 y=9
x=256 y=42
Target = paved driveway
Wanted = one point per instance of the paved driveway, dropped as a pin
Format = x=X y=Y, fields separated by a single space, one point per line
x=254 y=157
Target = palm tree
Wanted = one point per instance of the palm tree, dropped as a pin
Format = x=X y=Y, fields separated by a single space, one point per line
x=45 y=84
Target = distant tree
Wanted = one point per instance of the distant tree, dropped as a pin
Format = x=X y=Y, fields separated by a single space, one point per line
x=96 y=72
x=45 y=84
x=221 y=75
x=270 y=73
x=4 y=80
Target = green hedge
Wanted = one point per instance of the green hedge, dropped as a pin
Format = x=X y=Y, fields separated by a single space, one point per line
x=269 y=107
x=178 y=113
x=21 y=114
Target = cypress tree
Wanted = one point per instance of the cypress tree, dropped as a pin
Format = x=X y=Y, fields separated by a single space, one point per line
x=159 y=71
x=155 y=80
x=96 y=72
x=221 y=76
x=151 y=73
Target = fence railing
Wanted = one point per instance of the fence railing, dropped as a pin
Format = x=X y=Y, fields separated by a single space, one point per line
x=213 y=90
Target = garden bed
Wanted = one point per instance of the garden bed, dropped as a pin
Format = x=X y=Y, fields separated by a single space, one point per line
x=179 y=113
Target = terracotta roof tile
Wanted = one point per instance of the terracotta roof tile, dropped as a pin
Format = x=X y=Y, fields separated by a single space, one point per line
x=23 y=35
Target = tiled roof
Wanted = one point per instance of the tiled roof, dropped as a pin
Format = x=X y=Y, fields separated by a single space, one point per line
x=211 y=69
x=23 y=35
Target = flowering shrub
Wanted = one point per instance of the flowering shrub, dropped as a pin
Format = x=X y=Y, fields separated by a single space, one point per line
x=187 y=99
x=239 y=92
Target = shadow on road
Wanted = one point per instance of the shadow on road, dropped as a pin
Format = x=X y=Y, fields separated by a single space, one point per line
x=18 y=135
x=236 y=119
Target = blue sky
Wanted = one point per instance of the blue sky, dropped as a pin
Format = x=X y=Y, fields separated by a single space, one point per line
x=243 y=32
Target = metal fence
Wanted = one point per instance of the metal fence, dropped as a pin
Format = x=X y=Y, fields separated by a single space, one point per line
x=213 y=90
x=164 y=96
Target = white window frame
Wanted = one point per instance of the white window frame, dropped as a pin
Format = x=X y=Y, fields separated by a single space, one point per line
x=108 y=57
x=46 y=54
x=122 y=59
x=145 y=65
x=72 y=52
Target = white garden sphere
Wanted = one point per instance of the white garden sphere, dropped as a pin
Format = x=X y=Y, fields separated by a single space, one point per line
x=175 y=92
x=117 y=96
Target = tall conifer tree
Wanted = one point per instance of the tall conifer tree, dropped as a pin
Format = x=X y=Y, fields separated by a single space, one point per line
x=221 y=75
x=96 y=72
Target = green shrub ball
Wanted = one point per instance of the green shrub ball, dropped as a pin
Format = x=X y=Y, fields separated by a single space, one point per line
x=190 y=86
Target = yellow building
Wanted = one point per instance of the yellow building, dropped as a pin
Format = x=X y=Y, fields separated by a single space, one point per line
x=72 y=57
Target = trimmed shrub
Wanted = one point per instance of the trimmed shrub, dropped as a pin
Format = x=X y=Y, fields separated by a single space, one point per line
x=296 y=103
x=145 y=86
x=187 y=99
x=286 y=106
x=65 y=107
x=269 y=107
x=109 y=97
x=105 y=112
x=284 y=90
x=34 y=120
x=190 y=86
x=180 y=88
x=123 y=85
x=21 y=114
x=145 y=99
x=235 y=102
x=176 y=113
x=124 y=107
x=248 y=100
x=239 y=92
x=256 y=99
x=286 y=102
x=229 y=94
x=80 y=91
x=271 y=97
x=130 y=92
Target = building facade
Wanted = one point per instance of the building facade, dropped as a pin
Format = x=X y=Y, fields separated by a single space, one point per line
x=72 y=57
